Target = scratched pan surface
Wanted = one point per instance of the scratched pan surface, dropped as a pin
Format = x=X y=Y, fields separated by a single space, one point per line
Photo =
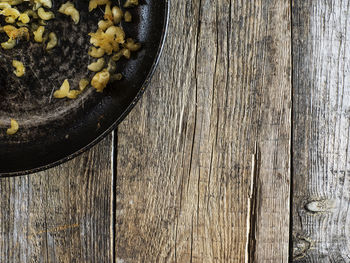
x=53 y=131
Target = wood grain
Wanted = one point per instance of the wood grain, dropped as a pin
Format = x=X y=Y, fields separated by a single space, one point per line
x=60 y=215
x=321 y=131
x=184 y=156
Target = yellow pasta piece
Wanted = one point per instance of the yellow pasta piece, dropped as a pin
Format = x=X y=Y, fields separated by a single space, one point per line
x=31 y=13
x=117 y=56
x=126 y=53
x=8 y=29
x=97 y=66
x=63 y=91
x=66 y=92
x=117 y=32
x=46 y=3
x=96 y=52
x=15 y=2
x=94 y=3
x=117 y=14
x=104 y=24
x=109 y=40
x=13 y=32
x=13 y=128
x=4 y=5
x=108 y=12
x=10 y=20
x=73 y=94
x=38 y=34
x=100 y=80
x=24 y=18
x=20 y=69
x=83 y=84
x=69 y=10
x=53 y=41
x=131 y=45
x=131 y=3
x=10 y=12
x=45 y=15
x=9 y=44
x=127 y=16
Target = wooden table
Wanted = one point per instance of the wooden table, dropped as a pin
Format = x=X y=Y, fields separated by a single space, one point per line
x=238 y=151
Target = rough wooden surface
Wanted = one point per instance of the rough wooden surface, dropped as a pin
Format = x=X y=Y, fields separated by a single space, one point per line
x=321 y=131
x=184 y=153
x=59 y=215
x=202 y=164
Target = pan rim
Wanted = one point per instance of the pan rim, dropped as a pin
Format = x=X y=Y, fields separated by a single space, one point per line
x=119 y=119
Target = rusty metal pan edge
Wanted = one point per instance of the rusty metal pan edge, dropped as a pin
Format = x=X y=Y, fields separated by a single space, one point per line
x=119 y=119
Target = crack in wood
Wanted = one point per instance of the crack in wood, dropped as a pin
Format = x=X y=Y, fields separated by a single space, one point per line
x=251 y=210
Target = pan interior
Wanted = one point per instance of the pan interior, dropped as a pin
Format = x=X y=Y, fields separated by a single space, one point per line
x=29 y=99
x=53 y=130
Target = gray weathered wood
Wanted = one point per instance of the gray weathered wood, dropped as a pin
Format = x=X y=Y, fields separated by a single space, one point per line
x=184 y=153
x=187 y=189
x=59 y=215
x=321 y=131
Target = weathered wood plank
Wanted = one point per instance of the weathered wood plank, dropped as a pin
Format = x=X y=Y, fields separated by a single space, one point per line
x=59 y=215
x=184 y=154
x=321 y=131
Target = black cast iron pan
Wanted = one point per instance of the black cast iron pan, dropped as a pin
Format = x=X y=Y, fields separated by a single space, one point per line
x=53 y=131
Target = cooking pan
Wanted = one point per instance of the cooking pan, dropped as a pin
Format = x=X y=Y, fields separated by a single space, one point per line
x=53 y=131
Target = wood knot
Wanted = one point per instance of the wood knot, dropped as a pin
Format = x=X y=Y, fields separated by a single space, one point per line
x=319 y=206
x=300 y=246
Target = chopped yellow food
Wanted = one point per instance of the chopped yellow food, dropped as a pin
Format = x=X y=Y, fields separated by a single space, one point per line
x=20 y=69
x=97 y=66
x=53 y=41
x=73 y=94
x=45 y=15
x=94 y=3
x=4 y=5
x=131 y=3
x=83 y=84
x=108 y=12
x=63 y=91
x=109 y=40
x=14 y=33
x=38 y=34
x=66 y=92
x=46 y=3
x=69 y=10
x=104 y=24
x=100 y=80
x=13 y=128
x=127 y=16
x=10 y=12
x=24 y=18
x=131 y=45
x=117 y=14
x=96 y=52
x=8 y=44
